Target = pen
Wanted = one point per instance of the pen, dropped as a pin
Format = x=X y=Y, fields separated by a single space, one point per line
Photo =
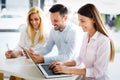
x=7 y=46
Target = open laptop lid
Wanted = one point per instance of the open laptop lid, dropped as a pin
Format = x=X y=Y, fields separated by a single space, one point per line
x=44 y=68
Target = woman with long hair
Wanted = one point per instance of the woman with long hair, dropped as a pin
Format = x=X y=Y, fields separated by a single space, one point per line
x=96 y=51
x=33 y=36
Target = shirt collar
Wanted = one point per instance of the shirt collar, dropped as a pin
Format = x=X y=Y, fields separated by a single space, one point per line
x=36 y=31
x=94 y=37
x=66 y=27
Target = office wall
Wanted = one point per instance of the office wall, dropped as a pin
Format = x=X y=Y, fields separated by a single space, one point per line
x=17 y=4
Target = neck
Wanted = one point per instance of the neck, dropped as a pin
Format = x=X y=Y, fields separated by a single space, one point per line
x=91 y=33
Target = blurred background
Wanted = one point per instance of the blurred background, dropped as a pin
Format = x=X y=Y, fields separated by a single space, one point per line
x=13 y=17
x=11 y=10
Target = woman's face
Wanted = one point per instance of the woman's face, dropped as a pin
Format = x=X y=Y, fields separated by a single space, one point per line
x=35 y=21
x=86 y=23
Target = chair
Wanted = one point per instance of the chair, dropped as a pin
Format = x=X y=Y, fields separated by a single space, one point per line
x=16 y=78
x=1 y=76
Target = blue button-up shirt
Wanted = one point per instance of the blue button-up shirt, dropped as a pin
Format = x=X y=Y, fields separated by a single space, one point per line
x=68 y=43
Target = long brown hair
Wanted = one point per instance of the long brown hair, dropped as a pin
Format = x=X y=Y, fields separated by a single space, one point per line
x=30 y=30
x=89 y=10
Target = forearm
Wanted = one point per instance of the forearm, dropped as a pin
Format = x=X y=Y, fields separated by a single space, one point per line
x=76 y=71
x=18 y=53
x=58 y=58
x=70 y=63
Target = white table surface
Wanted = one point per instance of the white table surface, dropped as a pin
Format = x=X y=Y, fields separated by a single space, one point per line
x=24 y=68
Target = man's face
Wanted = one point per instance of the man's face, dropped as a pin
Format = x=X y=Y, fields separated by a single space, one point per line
x=57 y=21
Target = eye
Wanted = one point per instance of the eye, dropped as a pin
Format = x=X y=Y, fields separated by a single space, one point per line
x=82 y=21
x=31 y=19
x=36 y=19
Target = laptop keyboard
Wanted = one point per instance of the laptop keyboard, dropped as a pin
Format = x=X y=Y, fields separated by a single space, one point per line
x=48 y=71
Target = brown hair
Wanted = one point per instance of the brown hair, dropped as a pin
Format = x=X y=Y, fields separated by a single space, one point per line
x=89 y=10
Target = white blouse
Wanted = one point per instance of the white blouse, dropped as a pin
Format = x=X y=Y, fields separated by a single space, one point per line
x=95 y=56
x=26 y=42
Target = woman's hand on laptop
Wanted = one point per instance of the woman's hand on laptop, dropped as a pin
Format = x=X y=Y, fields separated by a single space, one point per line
x=53 y=65
x=58 y=67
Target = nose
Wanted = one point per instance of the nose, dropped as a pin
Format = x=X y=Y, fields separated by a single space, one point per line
x=52 y=22
x=33 y=21
x=79 y=24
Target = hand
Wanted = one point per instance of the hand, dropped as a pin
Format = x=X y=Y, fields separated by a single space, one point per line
x=26 y=53
x=53 y=64
x=19 y=53
x=10 y=54
x=37 y=58
x=60 y=69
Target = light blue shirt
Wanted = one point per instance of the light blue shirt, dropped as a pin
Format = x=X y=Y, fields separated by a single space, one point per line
x=68 y=43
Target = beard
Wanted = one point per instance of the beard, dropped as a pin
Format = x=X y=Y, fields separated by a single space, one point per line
x=58 y=28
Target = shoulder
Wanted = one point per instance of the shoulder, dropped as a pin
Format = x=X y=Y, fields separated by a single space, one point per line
x=52 y=31
x=72 y=25
x=75 y=29
x=69 y=26
x=23 y=27
x=102 y=38
x=23 y=30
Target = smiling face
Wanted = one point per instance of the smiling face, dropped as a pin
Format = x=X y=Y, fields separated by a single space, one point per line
x=35 y=21
x=86 y=23
x=58 y=21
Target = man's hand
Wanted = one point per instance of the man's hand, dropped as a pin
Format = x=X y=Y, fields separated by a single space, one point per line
x=37 y=58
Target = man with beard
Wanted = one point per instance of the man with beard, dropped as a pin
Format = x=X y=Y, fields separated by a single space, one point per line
x=65 y=35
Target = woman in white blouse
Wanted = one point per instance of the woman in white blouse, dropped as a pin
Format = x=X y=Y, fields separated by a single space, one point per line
x=33 y=36
x=96 y=51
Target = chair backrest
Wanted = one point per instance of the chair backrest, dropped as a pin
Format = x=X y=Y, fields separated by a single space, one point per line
x=1 y=76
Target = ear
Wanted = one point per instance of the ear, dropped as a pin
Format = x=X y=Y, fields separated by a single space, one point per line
x=65 y=18
x=93 y=20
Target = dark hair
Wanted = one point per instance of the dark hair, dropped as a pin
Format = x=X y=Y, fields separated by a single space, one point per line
x=59 y=8
x=90 y=11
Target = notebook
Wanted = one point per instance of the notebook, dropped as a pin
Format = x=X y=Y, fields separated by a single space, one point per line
x=44 y=68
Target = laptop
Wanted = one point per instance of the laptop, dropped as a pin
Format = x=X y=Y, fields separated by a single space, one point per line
x=44 y=68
